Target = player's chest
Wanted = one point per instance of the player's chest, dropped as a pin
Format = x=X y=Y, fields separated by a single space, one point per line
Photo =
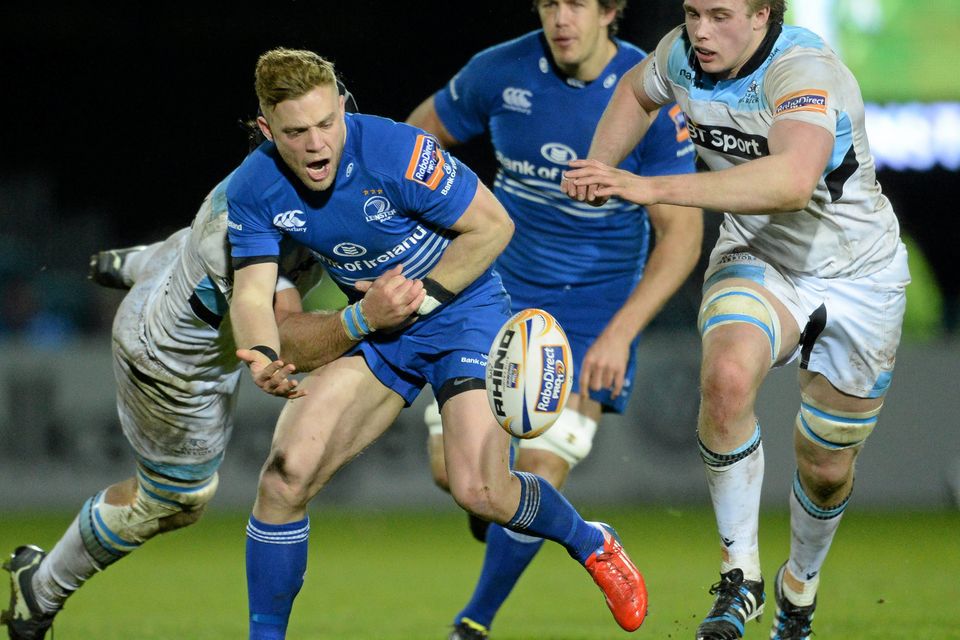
x=731 y=120
x=365 y=219
x=536 y=131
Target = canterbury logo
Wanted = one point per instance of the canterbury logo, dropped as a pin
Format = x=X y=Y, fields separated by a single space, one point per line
x=289 y=219
x=517 y=99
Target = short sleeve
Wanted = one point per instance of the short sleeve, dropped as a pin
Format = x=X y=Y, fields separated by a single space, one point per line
x=435 y=186
x=463 y=104
x=250 y=231
x=656 y=76
x=806 y=87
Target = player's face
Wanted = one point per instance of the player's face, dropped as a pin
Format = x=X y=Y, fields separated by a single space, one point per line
x=724 y=34
x=576 y=31
x=309 y=133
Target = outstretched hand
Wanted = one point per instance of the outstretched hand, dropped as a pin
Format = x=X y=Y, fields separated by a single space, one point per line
x=391 y=300
x=593 y=182
x=271 y=377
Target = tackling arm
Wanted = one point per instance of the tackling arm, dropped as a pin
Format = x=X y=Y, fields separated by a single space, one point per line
x=781 y=182
x=625 y=120
x=254 y=324
x=312 y=339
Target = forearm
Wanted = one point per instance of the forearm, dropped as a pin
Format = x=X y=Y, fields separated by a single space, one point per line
x=483 y=232
x=311 y=340
x=253 y=323
x=763 y=186
x=467 y=256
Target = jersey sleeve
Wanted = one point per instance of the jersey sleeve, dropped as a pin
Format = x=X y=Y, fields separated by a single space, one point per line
x=463 y=105
x=805 y=87
x=656 y=75
x=434 y=185
x=666 y=148
x=249 y=229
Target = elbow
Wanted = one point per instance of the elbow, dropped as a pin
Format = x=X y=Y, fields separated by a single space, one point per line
x=504 y=230
x=796 y=196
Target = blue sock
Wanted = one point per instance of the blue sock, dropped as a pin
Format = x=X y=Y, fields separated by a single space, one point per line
x=276 y=562
x=545 y=513
x=507 y=556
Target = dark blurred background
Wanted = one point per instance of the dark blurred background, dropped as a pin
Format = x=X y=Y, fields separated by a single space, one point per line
x=118 y=122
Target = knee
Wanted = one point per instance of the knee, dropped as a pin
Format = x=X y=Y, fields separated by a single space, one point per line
x=283 y=480
x=727 y=388
x=825 y=477
x=181 y=519
x=476 y=497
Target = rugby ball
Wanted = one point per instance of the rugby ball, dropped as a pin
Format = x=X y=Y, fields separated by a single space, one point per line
x=529 y=373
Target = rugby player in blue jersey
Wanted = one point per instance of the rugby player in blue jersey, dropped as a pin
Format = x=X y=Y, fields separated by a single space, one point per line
x=539 y=97
x=366 y=194
x=809 y=265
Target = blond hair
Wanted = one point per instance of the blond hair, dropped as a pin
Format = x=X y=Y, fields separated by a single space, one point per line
x=286 y=74
x=777 y=9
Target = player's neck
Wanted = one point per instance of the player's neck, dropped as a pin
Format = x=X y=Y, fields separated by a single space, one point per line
x=591 y=68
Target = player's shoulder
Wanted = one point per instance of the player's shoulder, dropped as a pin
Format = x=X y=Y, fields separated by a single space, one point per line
x=260 y=173
x=208 y=233
x=799 y=52
x=673 y=56
x=798 y=39
x=628 y=52
x=512 y=51
x=381 y=145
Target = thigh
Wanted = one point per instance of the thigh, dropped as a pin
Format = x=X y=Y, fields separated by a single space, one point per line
x=474 y=444
x=854 y=346
x=345 y=409
x=742 y=269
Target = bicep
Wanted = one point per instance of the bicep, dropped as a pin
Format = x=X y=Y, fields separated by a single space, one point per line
x=483 y=212
x=806 y=146
x=635 y=77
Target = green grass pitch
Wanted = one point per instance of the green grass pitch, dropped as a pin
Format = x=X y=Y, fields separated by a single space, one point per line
x=402 y=575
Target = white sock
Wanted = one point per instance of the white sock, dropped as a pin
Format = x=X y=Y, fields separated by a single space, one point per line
x=64 y=570
x=811 y=532
x=735 y=480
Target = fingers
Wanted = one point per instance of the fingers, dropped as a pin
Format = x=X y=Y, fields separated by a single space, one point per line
x=388 y=276
x=272 y=377
x=588 y=181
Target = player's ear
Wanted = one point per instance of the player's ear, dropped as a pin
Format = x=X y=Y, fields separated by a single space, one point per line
x=342 y=101
x=264 y=127
x=606 y=14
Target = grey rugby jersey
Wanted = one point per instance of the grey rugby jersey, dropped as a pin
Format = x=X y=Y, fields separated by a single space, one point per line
x=848 y=229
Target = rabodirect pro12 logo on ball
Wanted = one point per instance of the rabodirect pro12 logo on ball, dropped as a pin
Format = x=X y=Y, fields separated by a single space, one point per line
x=554 y=379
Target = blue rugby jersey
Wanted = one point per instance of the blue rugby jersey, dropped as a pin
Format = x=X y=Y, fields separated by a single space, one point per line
x=395 y=195
x=539 y=120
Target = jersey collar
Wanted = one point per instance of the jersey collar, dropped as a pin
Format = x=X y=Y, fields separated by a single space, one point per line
x=757 y=59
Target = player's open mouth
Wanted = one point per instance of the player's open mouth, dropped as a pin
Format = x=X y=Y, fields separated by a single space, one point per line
x=705 y=55
x=318 y=170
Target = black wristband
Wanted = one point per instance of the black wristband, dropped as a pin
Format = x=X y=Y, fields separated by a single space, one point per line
x=437 y=291
x=267 y=351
